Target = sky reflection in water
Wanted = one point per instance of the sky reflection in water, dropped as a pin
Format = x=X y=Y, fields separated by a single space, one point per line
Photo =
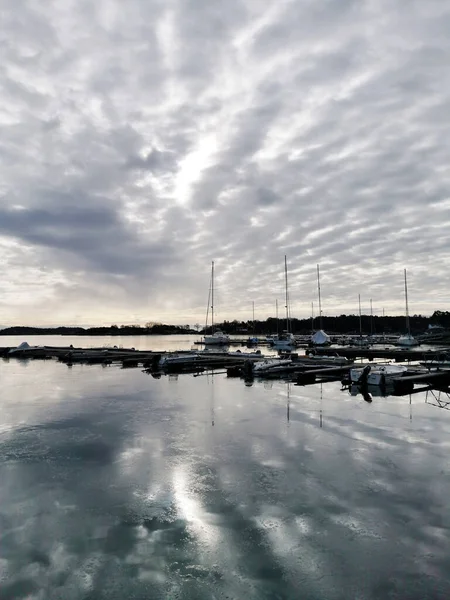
x=115 y=485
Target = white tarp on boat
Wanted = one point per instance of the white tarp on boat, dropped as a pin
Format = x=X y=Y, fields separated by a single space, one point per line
x=320 y=338
x=22 y=346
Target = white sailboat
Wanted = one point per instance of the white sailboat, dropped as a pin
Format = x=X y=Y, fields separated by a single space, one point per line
x=407 y=340
x=360 y=342
x=285 y=340
x=217 y=338
x=320 y=338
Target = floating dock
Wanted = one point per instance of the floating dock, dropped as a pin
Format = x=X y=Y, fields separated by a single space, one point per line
x=303 y=370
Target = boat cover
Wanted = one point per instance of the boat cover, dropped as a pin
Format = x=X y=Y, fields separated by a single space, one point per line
x=320 y=338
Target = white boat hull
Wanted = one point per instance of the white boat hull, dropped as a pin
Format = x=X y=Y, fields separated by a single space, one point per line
x=379 y=375
x=264 y=366
x=217 y=339
x=328 y=360
x=286 y=341
x=407 y=341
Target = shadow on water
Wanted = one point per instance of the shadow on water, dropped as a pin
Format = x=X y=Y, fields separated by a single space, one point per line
x=193 y=489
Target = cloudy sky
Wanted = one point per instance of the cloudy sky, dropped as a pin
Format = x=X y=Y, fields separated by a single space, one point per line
x=141 y=140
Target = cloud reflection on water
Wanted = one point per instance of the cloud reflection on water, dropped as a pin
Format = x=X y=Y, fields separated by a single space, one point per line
x=122 y=482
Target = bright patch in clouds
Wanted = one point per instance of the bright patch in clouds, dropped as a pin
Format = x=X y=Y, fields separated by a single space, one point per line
x=140 y=141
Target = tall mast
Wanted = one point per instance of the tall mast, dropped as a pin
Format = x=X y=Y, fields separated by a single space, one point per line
x=212 y=297
x=320 y=305
x=286 y=286
x=360 y=322
x=208 y=307
x=276 y=309
x=371 y=318
x=312 y=317
x=408 y=329
x=253 y=306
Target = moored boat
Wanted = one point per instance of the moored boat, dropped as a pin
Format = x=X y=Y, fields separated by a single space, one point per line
x=269 y=364
x=361 y=342
x=377 y=374
x=218 y=338
x=332 y=359
x=407 y=340
x=320 y=338
x=182 y=358
x=285 y=341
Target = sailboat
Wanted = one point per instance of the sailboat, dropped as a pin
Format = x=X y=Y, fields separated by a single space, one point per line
x=407 y=340
x=320 y=338
x=217 y=338
x=360 y=342
x=285 y=340
x=252 y=340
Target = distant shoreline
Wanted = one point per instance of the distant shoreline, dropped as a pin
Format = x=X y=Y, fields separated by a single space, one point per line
x=438 y=324
x=98 y=331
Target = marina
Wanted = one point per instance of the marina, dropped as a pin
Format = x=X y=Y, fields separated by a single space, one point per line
x=315 y=365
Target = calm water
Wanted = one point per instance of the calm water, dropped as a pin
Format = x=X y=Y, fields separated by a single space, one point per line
x=115 y=485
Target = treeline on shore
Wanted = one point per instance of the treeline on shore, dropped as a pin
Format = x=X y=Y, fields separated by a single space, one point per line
x=338 y=324
x=156 y=329
x=344 y=324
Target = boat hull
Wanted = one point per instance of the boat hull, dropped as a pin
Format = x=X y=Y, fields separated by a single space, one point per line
x=406 y=341
x=267 y=365
x=378 y=375
x=217 y=339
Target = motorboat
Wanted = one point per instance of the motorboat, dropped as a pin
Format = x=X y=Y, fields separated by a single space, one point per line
x=240 y=354
x=377 y=374
x=182 y=359
x=269 y=365
x=332 y=359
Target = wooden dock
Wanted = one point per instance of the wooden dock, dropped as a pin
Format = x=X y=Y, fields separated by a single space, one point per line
x=310 y=376
x=435 y=378
x=302 y=370
x=186 y=361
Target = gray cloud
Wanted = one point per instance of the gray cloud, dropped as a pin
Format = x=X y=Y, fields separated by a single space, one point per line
x=138 y=145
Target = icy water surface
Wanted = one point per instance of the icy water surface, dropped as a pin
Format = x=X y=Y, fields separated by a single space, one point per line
x=115 y=485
